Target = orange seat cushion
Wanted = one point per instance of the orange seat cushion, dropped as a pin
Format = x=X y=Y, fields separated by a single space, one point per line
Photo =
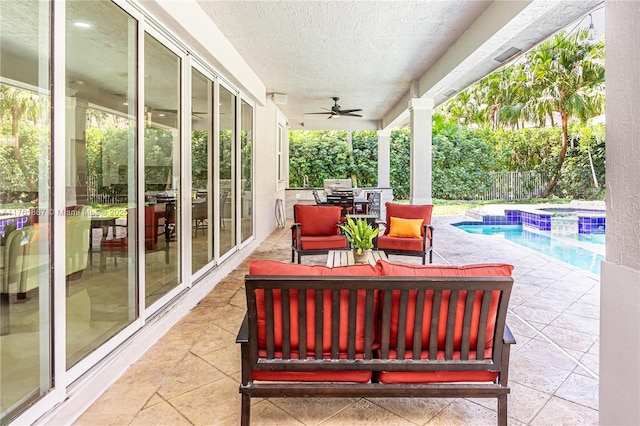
x=269 y=267
x=478 y=270
x=313 y=376
x=407 y=211
x=317 y=220
x=399 y=243
x=436 y=376
x=357 y=376
x=327 y=242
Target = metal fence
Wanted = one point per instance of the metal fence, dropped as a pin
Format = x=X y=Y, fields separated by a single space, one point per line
x=513 y=186
x=96 y=195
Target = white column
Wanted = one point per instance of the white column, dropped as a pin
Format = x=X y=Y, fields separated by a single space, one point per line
x=420 y=111
x=76 y=151
x=620 y=277
x=384 y=158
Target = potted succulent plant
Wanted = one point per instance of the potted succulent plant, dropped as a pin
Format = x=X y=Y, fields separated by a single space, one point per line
x=360 y=236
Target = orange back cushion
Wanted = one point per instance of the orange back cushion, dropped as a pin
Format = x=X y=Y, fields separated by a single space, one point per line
x=317 y=220
x=478 y=270
x=269 y=267
x=400 y=227
x=408 y=211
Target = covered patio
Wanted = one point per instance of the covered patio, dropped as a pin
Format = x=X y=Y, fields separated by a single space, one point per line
x=172 y=358
x=192 y=374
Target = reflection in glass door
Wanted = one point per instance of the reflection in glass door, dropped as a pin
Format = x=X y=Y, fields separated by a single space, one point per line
x=25 y=234
x=246 y=166
x=100 y=175
x=227 y=170
x=201 y=159
x=161 y=169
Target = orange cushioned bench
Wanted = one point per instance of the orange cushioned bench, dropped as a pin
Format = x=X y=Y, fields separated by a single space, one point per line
x=387 y=330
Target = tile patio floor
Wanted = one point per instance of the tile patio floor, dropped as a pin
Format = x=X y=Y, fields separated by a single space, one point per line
x=191 y=375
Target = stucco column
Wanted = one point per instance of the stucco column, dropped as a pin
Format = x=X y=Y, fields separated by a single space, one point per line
x=420 y=111
x=620 y=277
x=384 y=158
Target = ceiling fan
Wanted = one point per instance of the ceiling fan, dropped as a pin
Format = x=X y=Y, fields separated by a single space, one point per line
x=337 y=111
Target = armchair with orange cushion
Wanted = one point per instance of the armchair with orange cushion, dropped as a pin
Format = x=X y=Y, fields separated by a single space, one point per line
x=315 y=230
x=408 y=231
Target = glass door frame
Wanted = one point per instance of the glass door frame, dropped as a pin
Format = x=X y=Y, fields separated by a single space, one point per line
x=235 y=181
x=57 y=391
x=212 y=165
x=102 y=351
x=160 y=35
x=64 y=379
x=242 y=98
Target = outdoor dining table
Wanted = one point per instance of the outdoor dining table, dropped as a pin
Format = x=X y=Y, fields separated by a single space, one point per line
x=357 y=202
x=370 y=218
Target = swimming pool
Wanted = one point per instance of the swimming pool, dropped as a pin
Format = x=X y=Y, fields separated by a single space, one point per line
x=585 y=252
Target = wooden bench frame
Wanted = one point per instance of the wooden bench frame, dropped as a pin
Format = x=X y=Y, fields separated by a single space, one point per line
x=375 y=356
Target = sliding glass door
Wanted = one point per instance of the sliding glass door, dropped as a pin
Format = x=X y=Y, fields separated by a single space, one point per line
x=227 y=172
x=122 y=204
x=25 y=209
x=246 y=174
x=201 y=170
x=100 y=153
x=162 y=209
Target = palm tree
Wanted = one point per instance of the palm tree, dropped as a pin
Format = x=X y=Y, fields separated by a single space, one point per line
x=567 y=73
x=18 y=104
x=467 y=108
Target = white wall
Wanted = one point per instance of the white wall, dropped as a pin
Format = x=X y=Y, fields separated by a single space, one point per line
x=620 y=279
x=265 y=169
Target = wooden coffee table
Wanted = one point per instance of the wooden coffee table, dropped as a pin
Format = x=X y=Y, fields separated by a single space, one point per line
x=337 y=258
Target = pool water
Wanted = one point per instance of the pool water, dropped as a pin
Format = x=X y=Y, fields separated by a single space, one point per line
x=580 y=251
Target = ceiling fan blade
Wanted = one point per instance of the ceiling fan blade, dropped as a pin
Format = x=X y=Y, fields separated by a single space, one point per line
x=328 y=112
x=347 y=111
x=351 y=115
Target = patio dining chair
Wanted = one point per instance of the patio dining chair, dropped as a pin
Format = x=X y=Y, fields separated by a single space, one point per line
x=373 y=203
x=118 y=246
x=344 y=201
x=199 y=216
x=224 y=196
x=316 y=197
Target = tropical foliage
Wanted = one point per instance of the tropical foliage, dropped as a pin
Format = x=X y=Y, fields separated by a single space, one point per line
x=517 y=119
x=318 y=155
x=562 y=78
x=24 y=118
x=359 y=234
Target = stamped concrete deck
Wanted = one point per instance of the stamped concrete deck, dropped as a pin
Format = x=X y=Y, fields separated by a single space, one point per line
x=191 y=375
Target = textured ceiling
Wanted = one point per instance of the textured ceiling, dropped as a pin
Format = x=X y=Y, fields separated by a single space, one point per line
x=374 y=55
x=369 y=52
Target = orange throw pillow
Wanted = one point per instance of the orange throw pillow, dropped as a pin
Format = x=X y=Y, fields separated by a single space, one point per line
x=405 y=227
